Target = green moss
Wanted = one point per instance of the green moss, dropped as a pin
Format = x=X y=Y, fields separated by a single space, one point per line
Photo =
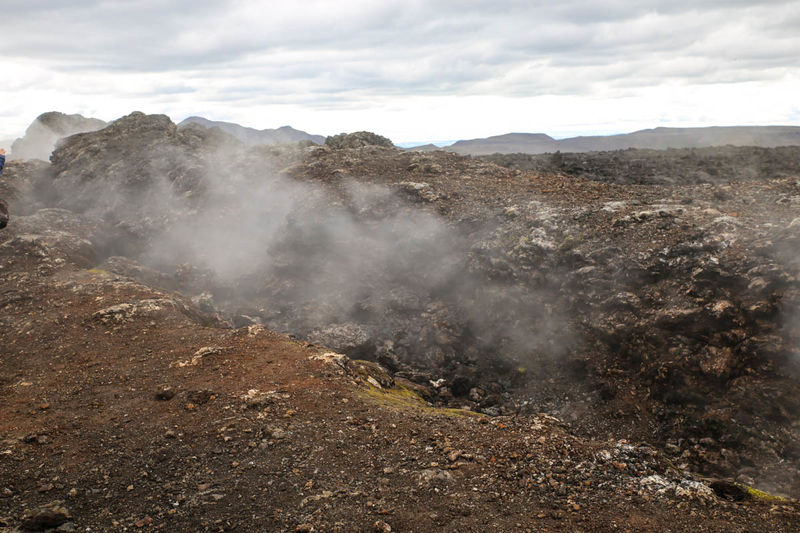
x=397 y=396
x=99 y=272
x=401 y=397
x=760 y=495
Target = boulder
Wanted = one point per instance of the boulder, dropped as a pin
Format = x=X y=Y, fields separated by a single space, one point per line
x=46 y=517
x=348 y=338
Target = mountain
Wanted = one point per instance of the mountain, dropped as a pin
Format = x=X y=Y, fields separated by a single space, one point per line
x=656 y=139
x=47 y=129
x=430 y=147
x=506 y=144
x=252 y=136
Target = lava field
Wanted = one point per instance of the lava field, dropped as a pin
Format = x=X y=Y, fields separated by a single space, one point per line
x=634 y=314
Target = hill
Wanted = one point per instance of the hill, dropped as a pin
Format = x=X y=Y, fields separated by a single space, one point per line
x=254 y=137
x=425 y=148
x=656 y=139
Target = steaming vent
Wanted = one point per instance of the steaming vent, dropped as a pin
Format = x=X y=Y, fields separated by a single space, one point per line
x=370 y=269
x=665 y=311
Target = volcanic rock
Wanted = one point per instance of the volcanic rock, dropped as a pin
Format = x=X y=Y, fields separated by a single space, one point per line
x=348 y=338
x=358 y=139
x=46 y=517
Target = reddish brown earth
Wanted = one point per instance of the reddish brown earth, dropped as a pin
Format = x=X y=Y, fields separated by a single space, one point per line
x=80 y=422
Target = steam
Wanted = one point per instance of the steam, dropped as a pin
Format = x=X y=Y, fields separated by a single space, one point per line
x=38 y=143
x=44 y=133
x=357 y=267
x=354 y=264
x=305 y=257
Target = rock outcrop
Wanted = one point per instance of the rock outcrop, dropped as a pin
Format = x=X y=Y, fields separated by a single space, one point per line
x=357 y=139
x=717 y=165
x=139 y=172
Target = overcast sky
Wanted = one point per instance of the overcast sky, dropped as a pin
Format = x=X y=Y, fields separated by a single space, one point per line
x=412 y=70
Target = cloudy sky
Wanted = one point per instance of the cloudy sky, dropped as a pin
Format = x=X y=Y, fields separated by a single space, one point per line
x=410 y=70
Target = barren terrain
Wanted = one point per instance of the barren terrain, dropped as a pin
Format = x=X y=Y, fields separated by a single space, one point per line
x=201 y=336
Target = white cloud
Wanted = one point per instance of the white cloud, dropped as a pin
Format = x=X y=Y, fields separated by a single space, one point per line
x=409 y=70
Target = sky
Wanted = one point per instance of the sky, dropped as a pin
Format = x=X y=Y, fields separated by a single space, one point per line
x=411 y=70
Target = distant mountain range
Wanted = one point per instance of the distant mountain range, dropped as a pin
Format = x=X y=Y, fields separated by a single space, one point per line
x=49 y=128
x=252 y=136
x=656 y=139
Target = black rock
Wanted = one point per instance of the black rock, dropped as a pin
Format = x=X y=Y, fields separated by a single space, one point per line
x=49 y=516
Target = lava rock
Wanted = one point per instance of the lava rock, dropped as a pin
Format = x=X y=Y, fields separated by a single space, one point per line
x=348 y=338
x=358 y=139
x=47 y=517
x=165 y=394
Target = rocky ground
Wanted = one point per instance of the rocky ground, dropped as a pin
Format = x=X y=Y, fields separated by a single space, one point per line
x=718 y=164
x=546 y=352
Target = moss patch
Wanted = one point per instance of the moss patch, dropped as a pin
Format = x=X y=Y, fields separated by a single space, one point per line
x=401 y=397
x=760 y=495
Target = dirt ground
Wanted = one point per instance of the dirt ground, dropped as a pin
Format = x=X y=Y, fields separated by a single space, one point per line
x=139 y=418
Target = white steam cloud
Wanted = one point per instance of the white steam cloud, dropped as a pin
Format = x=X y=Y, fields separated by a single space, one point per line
x=351 y=263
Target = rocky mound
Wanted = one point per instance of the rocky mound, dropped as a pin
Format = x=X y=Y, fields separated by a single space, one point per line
x=664 y=167
x=659 y=313
x=44 y=133
x=665 y=321
x=358 y=139
x=153 y=141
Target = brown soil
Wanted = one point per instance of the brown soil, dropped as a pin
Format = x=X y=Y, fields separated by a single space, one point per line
x=311 y=449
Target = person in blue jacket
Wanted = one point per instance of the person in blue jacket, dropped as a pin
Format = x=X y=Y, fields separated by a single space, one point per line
x=3 y=206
